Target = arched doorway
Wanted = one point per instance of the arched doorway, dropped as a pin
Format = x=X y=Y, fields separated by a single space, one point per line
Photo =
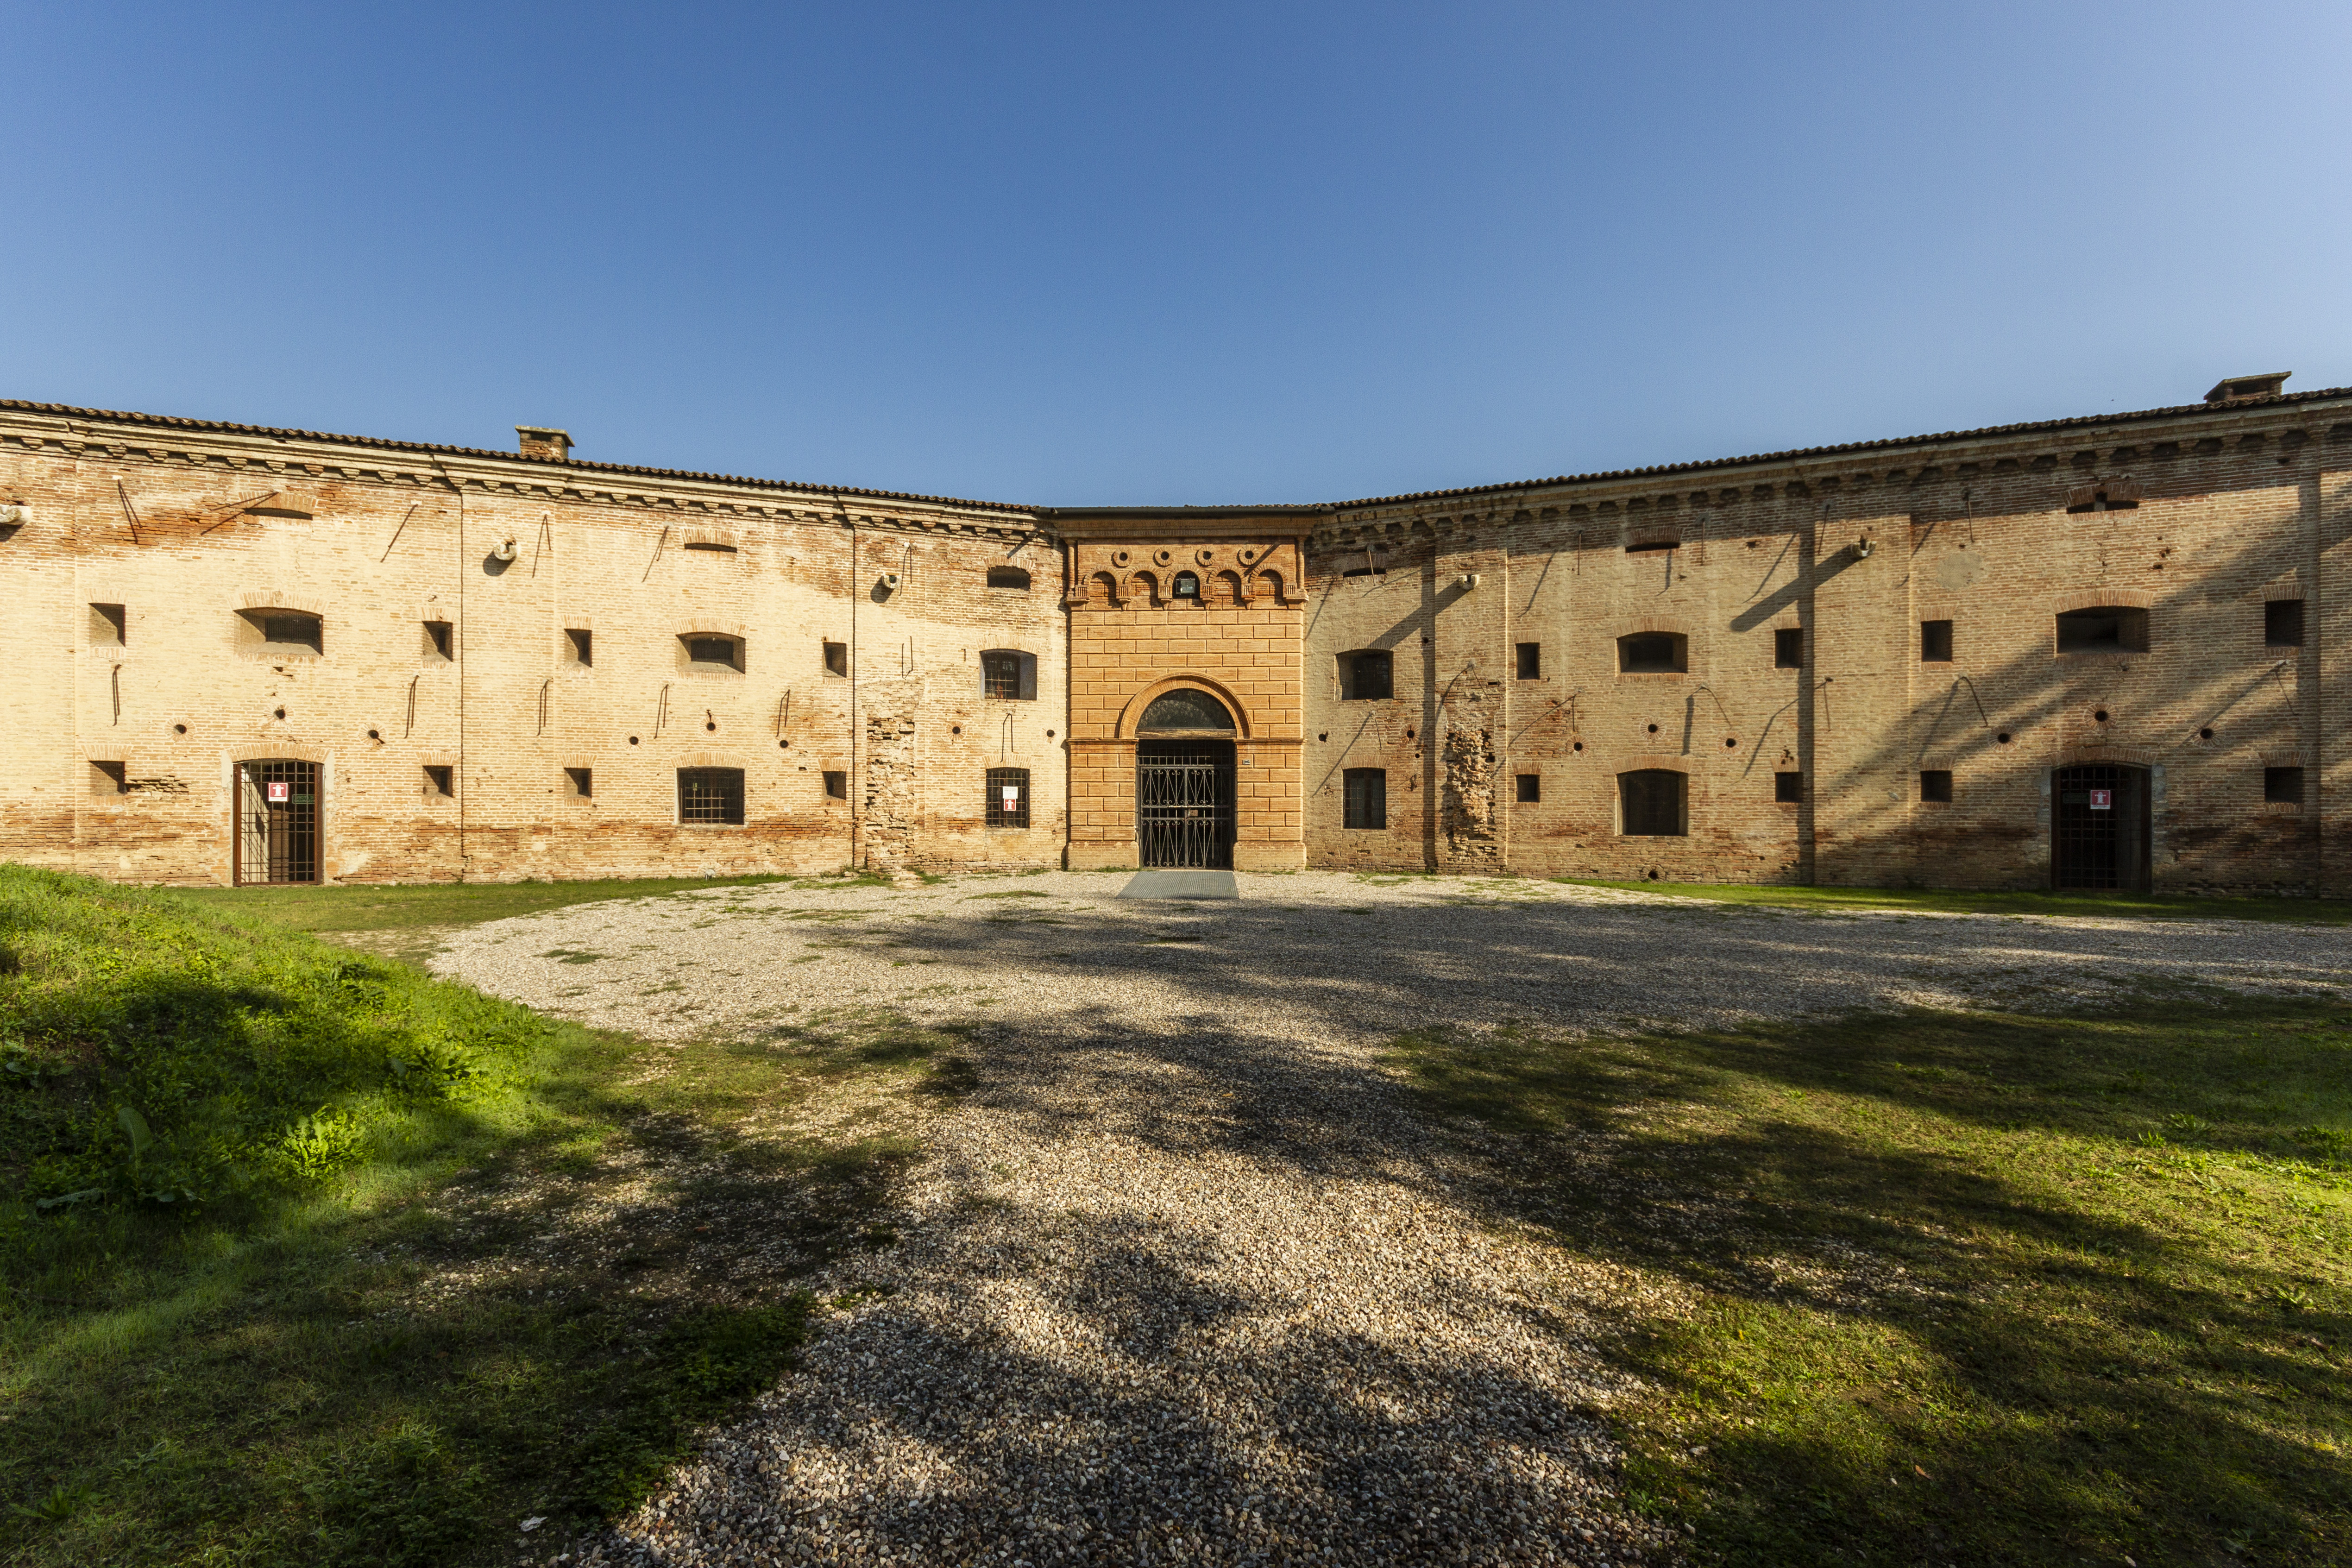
x=2099 y=827
x=1184 y=781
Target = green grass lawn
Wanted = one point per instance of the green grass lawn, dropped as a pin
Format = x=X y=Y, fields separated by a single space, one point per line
x=1938 y=900
x=307 y=1258
x=1961 y=1287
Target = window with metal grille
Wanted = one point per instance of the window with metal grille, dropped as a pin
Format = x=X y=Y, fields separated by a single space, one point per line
x=2103 y=628
x=1650 y=803
x=836 y=787
x=837 y=659
x=1788 y=789
x=710 y=798
x=440 y=641
x=1009 y=673
x=2282 y=623
x=1008 y=797
x=1936 y=642
x=1789 y=648
x=277 y=821
x=580 y=645
x=2282 y=786
x=1008 y=578
x=1654 y=653
x=108 y=625
x=1367 y=676
x=1530 y=787
x=1366 y=797
x=1936 y=784
x=707 y=652
x=1530 y=661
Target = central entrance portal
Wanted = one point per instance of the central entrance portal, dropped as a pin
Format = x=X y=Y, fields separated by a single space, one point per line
x=2099 y=827
x=1184 y=803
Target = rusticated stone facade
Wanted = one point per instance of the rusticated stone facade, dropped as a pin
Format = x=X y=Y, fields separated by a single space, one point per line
x=1885 y=663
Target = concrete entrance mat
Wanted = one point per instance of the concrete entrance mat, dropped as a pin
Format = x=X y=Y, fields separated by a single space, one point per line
x=1180 y=885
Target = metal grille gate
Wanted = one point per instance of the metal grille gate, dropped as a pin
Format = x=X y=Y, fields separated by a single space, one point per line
x=1184 y=805
x=277 y=821
x=2098 y=826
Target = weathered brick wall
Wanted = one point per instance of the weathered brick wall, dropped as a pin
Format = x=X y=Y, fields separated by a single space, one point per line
x=186 y=527
x=2240 y=505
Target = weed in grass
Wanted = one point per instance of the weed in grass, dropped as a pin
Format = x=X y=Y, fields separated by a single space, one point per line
x=1946 y=1301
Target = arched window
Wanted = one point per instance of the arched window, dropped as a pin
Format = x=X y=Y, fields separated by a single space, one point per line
x=2103 y=628
x=1009 y=673
x=1185 y=710
x=1187 y=586
x=1654 y=653
x=1008 y=578
x=713 y=651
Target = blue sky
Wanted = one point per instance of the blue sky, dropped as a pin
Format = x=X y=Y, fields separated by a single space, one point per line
x=1123 y=254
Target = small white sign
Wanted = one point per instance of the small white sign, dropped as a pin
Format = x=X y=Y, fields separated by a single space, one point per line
x=2103 y=800
x=280 y=791
x=1011 y=797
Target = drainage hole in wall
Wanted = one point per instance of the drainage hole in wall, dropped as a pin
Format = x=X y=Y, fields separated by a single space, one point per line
x=281 y=713
x=2101 y=715
x=2205 y=734
x=179 y=729
x=1049 y=734
x=784 y=742
x=2002 y=737
x=632 y=739
x=711 y=724
x=1653 y=876
x=1579 y=745
x=1408 y=734
x=375 y=735
x=1731 y=741
x=955 y=729
x=1653 y=729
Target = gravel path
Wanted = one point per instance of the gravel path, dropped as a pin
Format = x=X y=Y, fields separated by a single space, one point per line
x=1184 y=1280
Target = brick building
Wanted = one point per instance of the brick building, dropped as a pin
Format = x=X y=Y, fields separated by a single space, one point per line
x=2092 y=652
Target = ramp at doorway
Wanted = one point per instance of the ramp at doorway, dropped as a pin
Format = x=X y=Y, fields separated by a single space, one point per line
x=1180 y=885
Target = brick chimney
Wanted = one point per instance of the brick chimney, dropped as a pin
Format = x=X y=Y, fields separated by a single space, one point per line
x=539 y=442
x=2240 y=387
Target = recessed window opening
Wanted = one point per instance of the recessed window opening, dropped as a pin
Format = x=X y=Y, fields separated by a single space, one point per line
x=580 y=783
x=1016 y=578
x=1008 y=797
x=1788 y=789
x=1530 y=789
x=1936 y=784
x=2282 y=623
x=1652 y=803
x=837 y=659
x=2115 y=495
x=580 y=645
x=709 y=547
x=2282 y=786
x=110 y=625
x=710 y=652
x=1366 y=804
x=2105 y=629
x=1008 y=673
x=110 y=778
x=440 y=640
x=1367 y=676
x=1789 y=648
x=1530 y=657
x=710 y=798
x=1936 y=642
x=1654 y=653
x=440 y=781
x=836 y=787
x=288 y=631
x=1652 y=546
x=1187 y=586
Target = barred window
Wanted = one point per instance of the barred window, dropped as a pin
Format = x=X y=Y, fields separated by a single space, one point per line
x=1367 y=676
x=1008 y=797
x=1367 y=797
x=710 y=798
x=1008 y=673
x=1652 y=803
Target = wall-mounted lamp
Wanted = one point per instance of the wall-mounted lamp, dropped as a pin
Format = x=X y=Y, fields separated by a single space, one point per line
x=1863 y=547
x=889 y=582
x=1467 y=581
x=505 y=551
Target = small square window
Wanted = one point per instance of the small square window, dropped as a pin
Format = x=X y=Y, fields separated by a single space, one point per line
x=1530 y=661
x=1008 y=797
x=837 y=659
x=1370 y=675
x=2282 y=786
x=1530 y=788
x=1788 y=789
x=580 y=645
x=440 y=640
x=579 y=784
x=108 y=625
x=1936 y=642
x=440 y=781
x=1367 y=803
x=2282 y=623
x=110 y=778
x=1789 y=648
x=836 y=787
x=1936 y=784
x=1187 y=586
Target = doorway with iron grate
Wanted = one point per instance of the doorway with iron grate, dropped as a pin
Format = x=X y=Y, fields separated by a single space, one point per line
x=2099 y=827
x=1184 y=759
x=276 y=837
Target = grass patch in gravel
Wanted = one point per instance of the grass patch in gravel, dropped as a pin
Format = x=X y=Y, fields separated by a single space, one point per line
x=1938 y=900
x=306 y=1258
x=1971 y=1288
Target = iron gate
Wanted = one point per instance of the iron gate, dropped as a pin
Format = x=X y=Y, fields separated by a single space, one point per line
x=1184 y=806
x=277 y=821
x=2098 y=826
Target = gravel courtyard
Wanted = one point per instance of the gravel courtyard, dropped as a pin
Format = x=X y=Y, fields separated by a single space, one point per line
x=1184 y=1277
